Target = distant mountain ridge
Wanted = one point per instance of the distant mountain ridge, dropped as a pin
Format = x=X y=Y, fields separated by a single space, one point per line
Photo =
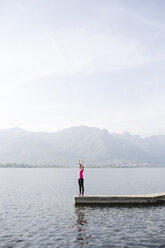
x=95 y=146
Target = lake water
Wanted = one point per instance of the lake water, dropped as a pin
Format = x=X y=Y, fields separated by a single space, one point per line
x=37 y=209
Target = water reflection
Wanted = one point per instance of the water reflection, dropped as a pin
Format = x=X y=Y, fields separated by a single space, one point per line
x=82 y=236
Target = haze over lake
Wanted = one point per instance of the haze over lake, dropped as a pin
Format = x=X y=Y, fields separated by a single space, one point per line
x=96 y=146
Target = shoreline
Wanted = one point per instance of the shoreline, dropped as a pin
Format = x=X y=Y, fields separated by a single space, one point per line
x=74 y=167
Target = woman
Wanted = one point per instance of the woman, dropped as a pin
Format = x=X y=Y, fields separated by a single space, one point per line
x=80 y=178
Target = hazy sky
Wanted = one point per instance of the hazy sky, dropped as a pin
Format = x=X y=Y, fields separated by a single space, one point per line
x=98 y=63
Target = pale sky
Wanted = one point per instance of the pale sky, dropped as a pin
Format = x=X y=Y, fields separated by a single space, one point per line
x=98 y=63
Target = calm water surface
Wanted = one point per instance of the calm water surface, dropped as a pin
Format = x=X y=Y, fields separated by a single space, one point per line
x=37 y=209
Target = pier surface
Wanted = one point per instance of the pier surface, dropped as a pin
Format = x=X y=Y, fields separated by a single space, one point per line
x=118 y=200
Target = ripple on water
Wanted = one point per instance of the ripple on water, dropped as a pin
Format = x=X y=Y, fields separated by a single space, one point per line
x=39 y=212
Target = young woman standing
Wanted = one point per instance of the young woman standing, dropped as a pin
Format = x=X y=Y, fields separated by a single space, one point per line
x=80 y=178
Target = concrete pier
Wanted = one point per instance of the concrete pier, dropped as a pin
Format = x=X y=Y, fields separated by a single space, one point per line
x=119 y=200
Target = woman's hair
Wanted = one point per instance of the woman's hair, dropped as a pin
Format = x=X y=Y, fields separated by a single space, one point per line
x=81 y=164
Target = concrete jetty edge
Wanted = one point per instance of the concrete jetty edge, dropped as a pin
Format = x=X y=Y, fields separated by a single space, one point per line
x=119 y=200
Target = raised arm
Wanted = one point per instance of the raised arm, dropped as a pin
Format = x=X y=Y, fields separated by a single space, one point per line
x=82 y=166
x=79 y=165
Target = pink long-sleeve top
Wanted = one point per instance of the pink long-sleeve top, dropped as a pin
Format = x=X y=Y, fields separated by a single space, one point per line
x=80 y=173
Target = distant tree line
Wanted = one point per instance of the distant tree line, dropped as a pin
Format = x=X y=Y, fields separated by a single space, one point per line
x=15 y=165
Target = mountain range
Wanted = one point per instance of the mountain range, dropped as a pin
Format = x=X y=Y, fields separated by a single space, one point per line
x=95 y=146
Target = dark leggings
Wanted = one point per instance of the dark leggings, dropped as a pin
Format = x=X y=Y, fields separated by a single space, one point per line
x=81 y=185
